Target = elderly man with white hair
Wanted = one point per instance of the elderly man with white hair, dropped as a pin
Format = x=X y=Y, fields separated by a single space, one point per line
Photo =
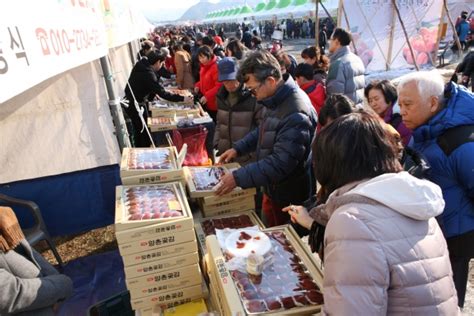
x=442 y=120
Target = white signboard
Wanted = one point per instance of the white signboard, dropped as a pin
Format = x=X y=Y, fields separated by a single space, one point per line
x=40 y=39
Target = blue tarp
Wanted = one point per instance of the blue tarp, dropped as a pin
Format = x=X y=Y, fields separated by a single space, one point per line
x=70 y=203
x=95 y=279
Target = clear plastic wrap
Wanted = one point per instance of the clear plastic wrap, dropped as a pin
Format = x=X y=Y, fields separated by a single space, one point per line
x=149 y=158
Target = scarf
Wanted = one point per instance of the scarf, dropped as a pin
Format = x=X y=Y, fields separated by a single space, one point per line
x=10 y=231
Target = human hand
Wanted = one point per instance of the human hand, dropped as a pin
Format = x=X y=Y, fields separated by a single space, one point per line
x=227 y=156
x=188 y=99
x=203 y=100
x=299 y=215
x=196 y=90
x=226 y=184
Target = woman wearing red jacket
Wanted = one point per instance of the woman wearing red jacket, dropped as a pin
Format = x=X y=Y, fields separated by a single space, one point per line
x=208 y=85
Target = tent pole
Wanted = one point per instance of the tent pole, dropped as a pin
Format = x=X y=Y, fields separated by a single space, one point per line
x=390 y=44
x=456 y=37
x=115 y=107
x=327 y=12
x=348 y=25
x=316 y=26
x=394 y=3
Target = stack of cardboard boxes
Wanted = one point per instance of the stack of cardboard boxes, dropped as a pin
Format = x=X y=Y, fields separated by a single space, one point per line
x=155 y=232
x=202 y=182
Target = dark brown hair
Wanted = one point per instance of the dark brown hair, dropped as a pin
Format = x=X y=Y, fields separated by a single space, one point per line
x=352 y=148
x=386 y=87
x=322 y=62
x=205 y=51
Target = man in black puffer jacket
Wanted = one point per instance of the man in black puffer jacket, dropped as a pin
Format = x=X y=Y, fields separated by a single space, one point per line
x=282 y=141
x=144 y=87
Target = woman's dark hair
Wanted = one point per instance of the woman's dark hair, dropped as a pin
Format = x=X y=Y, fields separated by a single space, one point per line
x=388 y=90
x=343 y=36
x=335 y=106
x=262 y=64
x=322 y=62
x=205 y=51
x=304 y=70
x=187 y=47
x=208 y=40
x=352 y=148
x=237 y=48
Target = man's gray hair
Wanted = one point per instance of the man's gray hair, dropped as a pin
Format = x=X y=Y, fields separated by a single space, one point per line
x=428 y=83
x=262 y=64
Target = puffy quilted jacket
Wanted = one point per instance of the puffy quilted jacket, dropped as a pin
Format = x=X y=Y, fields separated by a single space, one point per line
x=346 y=75
x=385 y=254
x=208 y=84
x=453 y=173
x=283 y=146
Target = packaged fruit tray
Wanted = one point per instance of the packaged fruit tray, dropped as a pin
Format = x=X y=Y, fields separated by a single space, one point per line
x=290 y=284
x=143 y=205
x=208 y=226
x=151 y=165
x=202 y=181
x=167 y=109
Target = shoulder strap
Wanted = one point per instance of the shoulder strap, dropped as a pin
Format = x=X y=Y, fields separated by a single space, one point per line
x=455 y=137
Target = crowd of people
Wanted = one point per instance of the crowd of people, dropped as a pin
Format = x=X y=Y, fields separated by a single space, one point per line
x=380 y=177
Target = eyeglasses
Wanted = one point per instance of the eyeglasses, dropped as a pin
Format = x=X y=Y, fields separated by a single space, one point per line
x=253 y=91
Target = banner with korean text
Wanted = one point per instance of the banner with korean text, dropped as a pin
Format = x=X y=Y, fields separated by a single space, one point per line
x=39 y=39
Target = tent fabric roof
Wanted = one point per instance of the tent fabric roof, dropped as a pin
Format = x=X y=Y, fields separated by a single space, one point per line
x=259 y=7
x=283 y=4
x=299 y=2
x=246 y=9
x=270 y=5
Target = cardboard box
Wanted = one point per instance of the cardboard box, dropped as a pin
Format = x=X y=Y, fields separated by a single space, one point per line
x=153 y=231
x=172 y=276
x=230 y=209
x=170 y=109
x=152 y=243
x=132 y=176
x=214 y=199
x=195 y=192
x=201 y=236
x=163 y=252
x=160 y=265
x=158 y=124
x=221 y=278
x=185 y=295
x=121 y=213
x=194 y=277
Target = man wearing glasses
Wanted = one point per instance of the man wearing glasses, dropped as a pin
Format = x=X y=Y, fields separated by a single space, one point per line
x=282 y=141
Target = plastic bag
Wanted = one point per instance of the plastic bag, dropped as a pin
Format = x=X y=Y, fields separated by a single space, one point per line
x=195 y=137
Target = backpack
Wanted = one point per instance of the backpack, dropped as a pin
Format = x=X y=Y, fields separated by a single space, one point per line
x=455 y=137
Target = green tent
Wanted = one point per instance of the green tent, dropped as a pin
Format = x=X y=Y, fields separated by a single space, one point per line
x=283 y=4
x=236 y=11
x=270 y=5
x=246 y=10
x=259 y=7
x=227 y=12
x=299 y=2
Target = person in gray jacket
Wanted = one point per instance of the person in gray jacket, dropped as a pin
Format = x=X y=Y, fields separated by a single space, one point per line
x=29 y=285
x=346 y=70
x=238 y=112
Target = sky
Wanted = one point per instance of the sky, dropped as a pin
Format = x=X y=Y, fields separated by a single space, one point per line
x=165 y=10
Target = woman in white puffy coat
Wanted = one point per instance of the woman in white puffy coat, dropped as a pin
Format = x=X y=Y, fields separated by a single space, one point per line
x=384 y=251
